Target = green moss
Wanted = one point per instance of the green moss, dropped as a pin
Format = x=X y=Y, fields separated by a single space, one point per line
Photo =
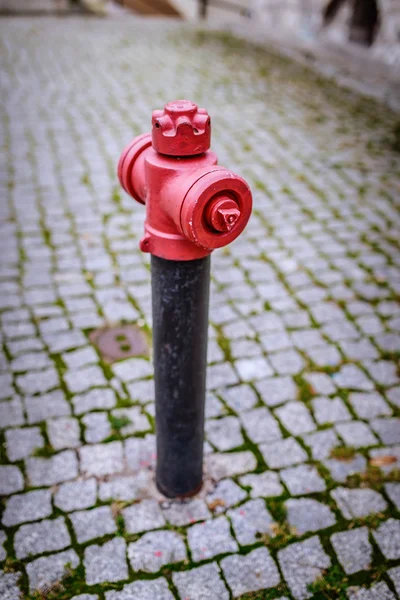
x=344 y=453
x=46 y=451
x=117 y=423
x=332 y=585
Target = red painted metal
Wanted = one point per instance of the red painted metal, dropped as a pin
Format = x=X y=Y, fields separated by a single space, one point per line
x=192 y=205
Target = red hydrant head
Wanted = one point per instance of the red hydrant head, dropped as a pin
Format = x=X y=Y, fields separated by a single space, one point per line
x=192 y=205
x=181 y=129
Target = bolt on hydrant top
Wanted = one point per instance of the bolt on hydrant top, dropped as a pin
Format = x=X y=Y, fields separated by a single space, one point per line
x=181 y=129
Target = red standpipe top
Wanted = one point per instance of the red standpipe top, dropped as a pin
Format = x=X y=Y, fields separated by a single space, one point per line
x=181 y=129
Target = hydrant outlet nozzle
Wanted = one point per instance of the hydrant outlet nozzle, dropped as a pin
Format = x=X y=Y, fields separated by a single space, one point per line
x=223 y=214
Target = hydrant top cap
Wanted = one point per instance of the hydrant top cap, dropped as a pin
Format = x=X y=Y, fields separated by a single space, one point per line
x=181 y=129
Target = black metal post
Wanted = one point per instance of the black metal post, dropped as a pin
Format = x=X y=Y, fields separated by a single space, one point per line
x=180 y=293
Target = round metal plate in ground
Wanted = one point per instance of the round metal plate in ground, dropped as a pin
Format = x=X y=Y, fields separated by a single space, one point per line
x=116 y=343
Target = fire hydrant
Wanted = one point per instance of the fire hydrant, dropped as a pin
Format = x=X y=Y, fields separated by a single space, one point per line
x=192 y=207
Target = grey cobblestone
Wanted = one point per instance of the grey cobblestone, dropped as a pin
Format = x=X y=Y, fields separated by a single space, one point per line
x=21 y=443
x=143 y=516
x=106 y=562
x=225 y=494
x=357 y=503
x=75 y=495
x=203 y=582
x=378 y=591
x=301 y=564
x=37 y=538
x=369 y=406
x=9 y=589
x=101 y=459
x=63 y=432
x=321 y=443
x=185 y=512
x=40 y=408
x=283 y=453
x=155 y=549
x=266 y=484
x=11 y=480
x=387 y=536
x=353 y=549
x=143 y=590
x=330 y=410
x=94 y=399
x=306 y=515
x=224 y=433
x=47 y=570
x=356 y=434
x=341 y=469
x=49 y=471
x=27 y=507
x=249 y=573
x=91 y=524
x=393 y=491
x=295 y=417
x=249 y=520
x=303 y=479
x=219 y=466
x=276 y=390
x=210 y=538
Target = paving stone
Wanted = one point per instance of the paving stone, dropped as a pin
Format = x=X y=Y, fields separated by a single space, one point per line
x=31 y=361
x=276 y=390
x=321 y=443
x=65 y=340
x=143 y=516
x=156 y=549
x=329 y=411
x=283 y=453
x=9 y=589
x=303 y=479
x=301 y=564
x=278 y=340
x=210 y=538
x=101 y=398
x=220 y=375
x=138 y=421
x=357 y=503
x=249 y=520
x=126 y=488
x=141 y=391
x=97 y=427
x=85 y=597
x=101 y=459
x=200 y=583
x=40 y=408
x=369 y=406
x=353 y=549
x=185 y=512
x=250 y=573
x=37 y=538
x=38 y=382
x=225 y=494
x=49 y=471
x=239 y=398
x=358 y=350
x=351 y=377
x=356 y=434
x=27 y=507
x=305 y=514
x=219 y=466
x=79 y=358
x=260 y=425
x=378 y=591
x=394 y=395
x=295 y=417
x=75 y=495
x=287 y=362
x=320 y=383
x=106 y=562
x=384 y=372
x=140 y=452
x=63 y=432
x=46 y=570
x=341 y=469
x=224 y=433
x=81 y=380
x=3 y=553
x=133 y=368
x=20 y=443
x=387 y=536
x=394 y=575
x=251 y=369
x=156 y=589
x=11 y=480
x=214 y=406
x=393 y=452
x=266 y=485
x=11 y=413
x=387 y=429
x=325 y=356
x=393 y=491
x=91 y=524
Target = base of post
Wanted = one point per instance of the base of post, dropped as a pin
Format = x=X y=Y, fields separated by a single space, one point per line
x=170 y=494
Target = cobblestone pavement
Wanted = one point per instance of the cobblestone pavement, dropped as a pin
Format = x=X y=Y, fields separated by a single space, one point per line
x=302 y=492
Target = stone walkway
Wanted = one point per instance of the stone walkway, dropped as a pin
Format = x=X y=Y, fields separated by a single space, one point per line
x=302 y=493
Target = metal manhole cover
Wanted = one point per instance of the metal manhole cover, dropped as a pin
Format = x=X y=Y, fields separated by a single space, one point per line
x=115 y=343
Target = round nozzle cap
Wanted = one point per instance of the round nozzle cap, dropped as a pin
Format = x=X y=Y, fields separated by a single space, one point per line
x=181 y=129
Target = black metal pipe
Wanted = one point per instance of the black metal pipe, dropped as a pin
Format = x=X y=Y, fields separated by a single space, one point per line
x=180 y=294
